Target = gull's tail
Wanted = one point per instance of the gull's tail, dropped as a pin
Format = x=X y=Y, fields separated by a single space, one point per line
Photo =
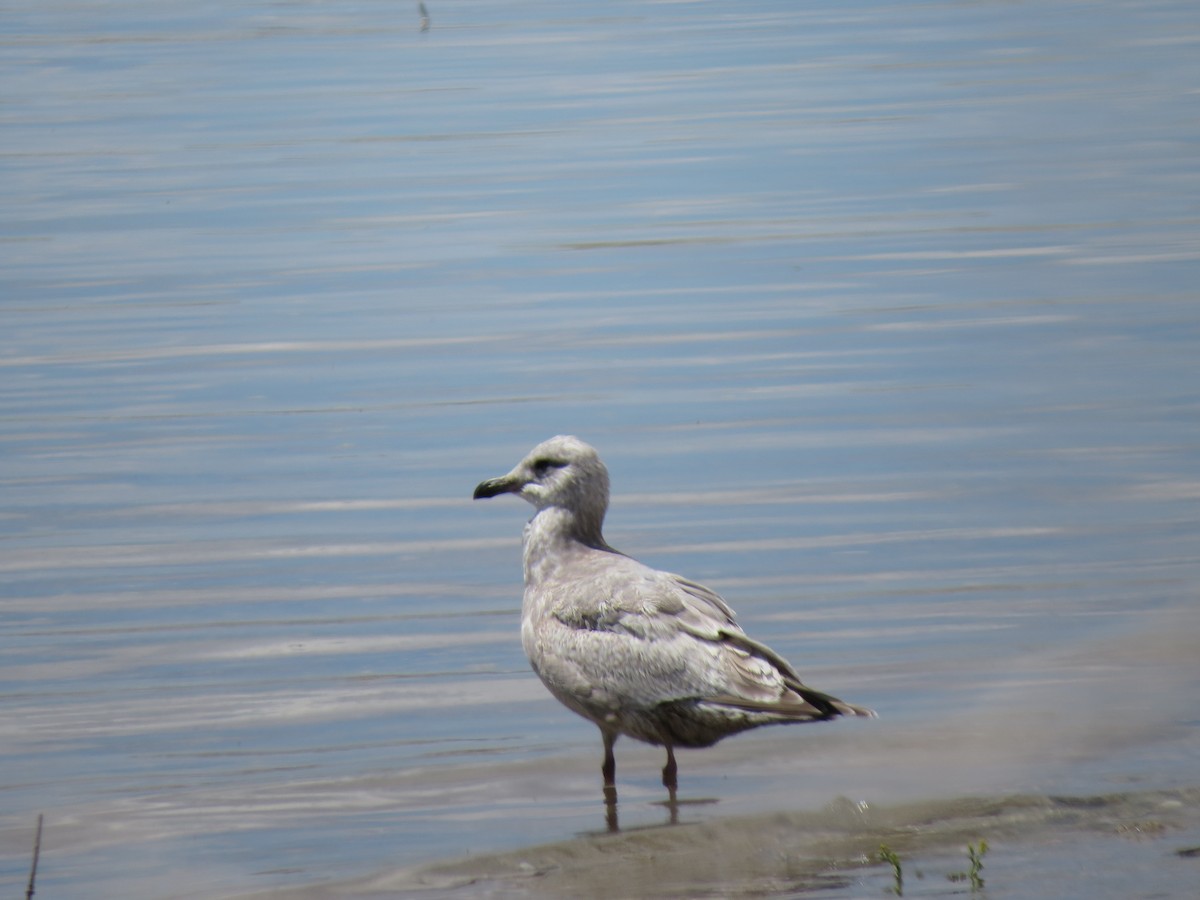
x=830 y=706
x=802 y=704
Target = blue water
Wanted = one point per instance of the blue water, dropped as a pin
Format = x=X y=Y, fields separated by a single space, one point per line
x=883 y=317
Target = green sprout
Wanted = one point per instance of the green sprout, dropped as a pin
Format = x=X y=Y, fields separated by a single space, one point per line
x=889 y=856
x=975 y=855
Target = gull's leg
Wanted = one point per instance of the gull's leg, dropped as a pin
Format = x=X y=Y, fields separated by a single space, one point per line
x=609 y=768
x=670 y=782
x=670 y=770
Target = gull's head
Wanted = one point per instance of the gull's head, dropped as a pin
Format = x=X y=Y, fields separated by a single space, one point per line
x=562 y=472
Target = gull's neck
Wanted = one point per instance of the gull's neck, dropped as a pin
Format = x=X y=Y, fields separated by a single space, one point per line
x=555 y=532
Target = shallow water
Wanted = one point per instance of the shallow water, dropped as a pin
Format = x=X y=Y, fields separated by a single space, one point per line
x=884 y=318
x=1131 y=844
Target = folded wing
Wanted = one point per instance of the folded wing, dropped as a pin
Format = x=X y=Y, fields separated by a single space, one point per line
x=642 y=637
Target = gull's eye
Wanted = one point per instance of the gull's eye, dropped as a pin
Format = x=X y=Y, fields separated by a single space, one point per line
x=543 y=467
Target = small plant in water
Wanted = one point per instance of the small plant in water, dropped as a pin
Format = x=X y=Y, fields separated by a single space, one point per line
x=975 y=854
x=889 y=856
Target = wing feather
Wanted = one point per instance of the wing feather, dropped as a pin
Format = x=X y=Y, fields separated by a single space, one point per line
x=655 y=637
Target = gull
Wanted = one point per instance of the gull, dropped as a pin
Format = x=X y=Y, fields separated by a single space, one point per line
x=639 y=652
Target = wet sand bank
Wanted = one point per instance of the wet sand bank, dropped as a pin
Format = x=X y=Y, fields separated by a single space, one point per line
x=1038 y=846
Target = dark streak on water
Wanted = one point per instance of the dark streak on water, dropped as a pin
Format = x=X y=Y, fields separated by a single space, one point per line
x=884 y=317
